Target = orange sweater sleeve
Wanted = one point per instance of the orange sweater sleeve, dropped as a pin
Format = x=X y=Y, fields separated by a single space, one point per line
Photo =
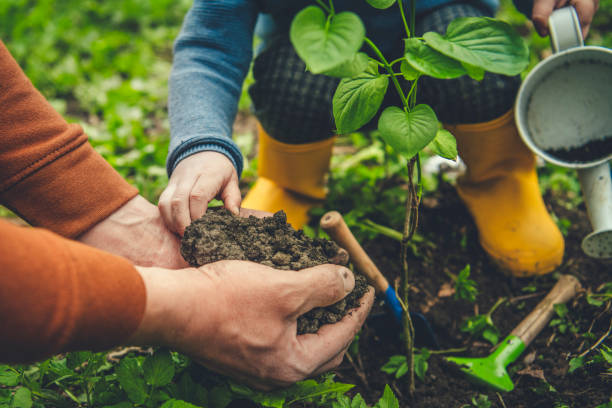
x=56 y=294
x=49 y=174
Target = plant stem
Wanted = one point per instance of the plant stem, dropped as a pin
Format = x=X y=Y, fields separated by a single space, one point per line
x=401 y=7
x=496 y=305
x=331 y=7
x=389 y=69
x=386 y=231
x=323 y=6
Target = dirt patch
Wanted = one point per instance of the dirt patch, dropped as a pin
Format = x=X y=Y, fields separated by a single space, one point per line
x=271 y=241
x=541 y=374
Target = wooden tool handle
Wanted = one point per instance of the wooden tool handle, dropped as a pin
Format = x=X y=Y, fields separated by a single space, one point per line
x=333 y=223
x=566 y=288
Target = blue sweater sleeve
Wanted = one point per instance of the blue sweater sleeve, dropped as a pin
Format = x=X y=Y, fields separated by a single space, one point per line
x=212 y=55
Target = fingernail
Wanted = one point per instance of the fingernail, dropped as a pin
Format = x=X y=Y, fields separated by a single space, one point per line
x=347 y=278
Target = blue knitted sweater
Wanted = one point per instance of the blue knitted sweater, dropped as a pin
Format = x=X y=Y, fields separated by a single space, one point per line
x=213 y=52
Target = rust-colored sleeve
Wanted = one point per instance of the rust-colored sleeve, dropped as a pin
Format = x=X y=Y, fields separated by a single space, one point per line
x=49 y=173
x=58 y=295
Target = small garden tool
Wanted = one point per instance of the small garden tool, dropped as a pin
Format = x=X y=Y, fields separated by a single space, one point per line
x=333 y=224
x=491 y=371
x=563 y=107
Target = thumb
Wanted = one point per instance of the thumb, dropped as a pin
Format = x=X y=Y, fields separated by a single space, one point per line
x=323 y=285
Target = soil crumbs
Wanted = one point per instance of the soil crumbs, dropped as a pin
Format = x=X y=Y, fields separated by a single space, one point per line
x=219 y=235
x=541 y=375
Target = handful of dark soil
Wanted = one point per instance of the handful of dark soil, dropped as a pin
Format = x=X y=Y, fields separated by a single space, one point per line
x=219 y=235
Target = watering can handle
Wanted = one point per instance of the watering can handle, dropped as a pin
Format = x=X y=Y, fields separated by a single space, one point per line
x=566 y=288
x=565 y=31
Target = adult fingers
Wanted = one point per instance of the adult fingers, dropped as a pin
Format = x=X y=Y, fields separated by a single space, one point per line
x=332 y=338
x=322 y=285
x=231 y=196
x=540 y=13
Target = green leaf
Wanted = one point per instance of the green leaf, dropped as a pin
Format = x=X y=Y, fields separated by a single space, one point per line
x=77 y=358
x=606 y=353
x=8 y=376
x=129 y=374
x=173 y=403
x=484 y=42
x=158 y=369
x=381 y=4
x=220 y=396
x=420 y=363
x=431 y=62
x=408 y=72
x=575 y=363
x=307 y=389
x=394 y=363
x=358 y=402
x=388 y=399
x=491 y=335
x=402 y=370
x=357 y=99
x=408 y=132
x=22 y=398
x=473 y=71
x=350 y=68
x=123 y=404
x=561 y=310
x=445 y=145
x=324 y=43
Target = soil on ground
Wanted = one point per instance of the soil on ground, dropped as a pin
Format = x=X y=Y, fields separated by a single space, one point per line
x=219 y=235
x=541 y=375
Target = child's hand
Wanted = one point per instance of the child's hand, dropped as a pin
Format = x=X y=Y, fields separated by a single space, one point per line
x=542 y=9
x=195 y=181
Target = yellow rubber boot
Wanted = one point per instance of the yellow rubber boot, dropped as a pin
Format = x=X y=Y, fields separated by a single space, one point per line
x=500 y=189
x=291 y=177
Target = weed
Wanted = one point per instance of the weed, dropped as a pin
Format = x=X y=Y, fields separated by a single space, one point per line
x=563 y=321
x=479 y=401
x=482 y=325
x=465 y=288
x=398 y=365
x=602 y=296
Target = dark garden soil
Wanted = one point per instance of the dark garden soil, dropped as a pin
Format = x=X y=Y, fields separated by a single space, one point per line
x=270 y=241
x=594 y=150
x=540 y=374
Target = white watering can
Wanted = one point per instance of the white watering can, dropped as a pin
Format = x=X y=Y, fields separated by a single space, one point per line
x=564 y=114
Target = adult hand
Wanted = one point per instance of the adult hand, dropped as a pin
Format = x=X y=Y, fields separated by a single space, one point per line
x=542 y=9
x=137 y=232
x=240 y=319
x=195 y=181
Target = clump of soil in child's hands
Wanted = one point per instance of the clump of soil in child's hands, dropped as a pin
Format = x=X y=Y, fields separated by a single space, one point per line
x=219 y=235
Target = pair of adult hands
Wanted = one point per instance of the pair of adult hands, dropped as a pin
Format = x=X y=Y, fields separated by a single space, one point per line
x=238 y=318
